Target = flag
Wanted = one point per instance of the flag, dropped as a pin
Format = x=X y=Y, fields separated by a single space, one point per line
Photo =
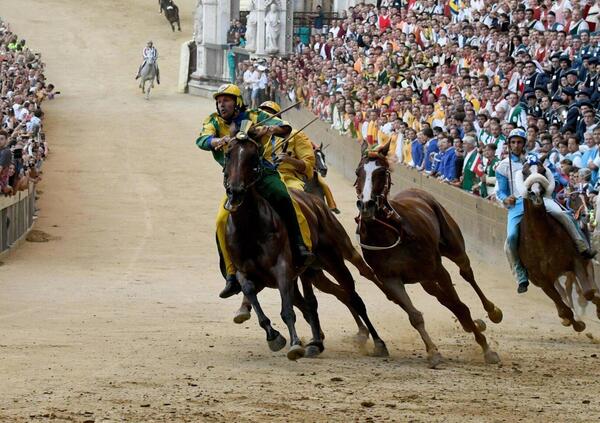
x=455 y=6
x=477 y=166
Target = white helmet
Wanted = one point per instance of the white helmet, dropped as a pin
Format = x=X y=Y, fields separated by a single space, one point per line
x=518 y=133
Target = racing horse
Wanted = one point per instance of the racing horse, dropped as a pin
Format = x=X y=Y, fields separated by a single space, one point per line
x=171 y=13
x=404 y=238
x=319 y=279
x=546 y=249
x=259 y=247
x=148 y=74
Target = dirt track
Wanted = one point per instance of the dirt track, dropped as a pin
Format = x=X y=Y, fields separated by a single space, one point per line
x=119 y=319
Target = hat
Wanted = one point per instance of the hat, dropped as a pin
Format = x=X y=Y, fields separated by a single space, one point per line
x=572 y=72
x=555 y=56
x=569 y=91
x=594 y=60
x=565 y=58
x=586 y=57
x=529 y=95
x=558 y=99
x=261 y=68
x=584 y=91
x=541 y=88
x=517 y=133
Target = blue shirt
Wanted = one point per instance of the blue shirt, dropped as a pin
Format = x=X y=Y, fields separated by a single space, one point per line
x=418 y=152
x=448 y=165
x=431 y=147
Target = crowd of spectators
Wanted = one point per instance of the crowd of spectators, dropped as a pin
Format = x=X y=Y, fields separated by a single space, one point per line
x=446 y=81
x=23 y=89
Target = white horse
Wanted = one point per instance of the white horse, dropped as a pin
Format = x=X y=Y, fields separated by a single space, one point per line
x=148 y=73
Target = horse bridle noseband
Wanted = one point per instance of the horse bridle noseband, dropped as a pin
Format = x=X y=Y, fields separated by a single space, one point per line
x=382 y=203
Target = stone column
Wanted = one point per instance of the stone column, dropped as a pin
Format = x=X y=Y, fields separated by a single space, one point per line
x=261 y=8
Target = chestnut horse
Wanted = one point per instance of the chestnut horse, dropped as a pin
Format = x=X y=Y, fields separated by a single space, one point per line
x=547 y=251
x=404 y=238
x=258 y=243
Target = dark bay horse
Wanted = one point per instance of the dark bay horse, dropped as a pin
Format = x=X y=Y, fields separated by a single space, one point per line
x=259 y=246
x=404 y=238
x=171 y=13
x=547 y=251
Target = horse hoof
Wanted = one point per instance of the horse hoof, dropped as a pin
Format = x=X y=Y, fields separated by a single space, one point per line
x=496 y=315
x=480 y=324
x=491 y=357
x=578 y=326
x=435 y=360
x=241 y=316
x=311 y=351
x=278 y=343
x=361 y=337
x=380 y=350
x=296 y=352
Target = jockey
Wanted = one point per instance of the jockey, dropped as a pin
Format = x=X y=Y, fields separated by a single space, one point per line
x=297 y=162
x=298 y=165
x=510 y=191
x=214 y=137
x=149 y=53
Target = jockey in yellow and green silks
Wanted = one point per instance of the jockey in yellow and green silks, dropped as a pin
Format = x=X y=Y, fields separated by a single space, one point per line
x=214 y=137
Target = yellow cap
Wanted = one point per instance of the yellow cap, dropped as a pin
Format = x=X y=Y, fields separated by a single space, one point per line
x=230 y=90
x=271 y=105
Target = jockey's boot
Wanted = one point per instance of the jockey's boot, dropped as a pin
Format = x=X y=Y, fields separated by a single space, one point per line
x=522 y=287
x=589 y=254
x=232 y=287
x=303 y=257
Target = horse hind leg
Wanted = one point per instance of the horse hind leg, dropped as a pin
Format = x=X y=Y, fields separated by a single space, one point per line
x=585 y=275
x=564 y=312
x=340 y=272
x=322 y=283
x=466 y=271
x=446 y=294
x=274 y=339
x=243 y=313
x=396 y=292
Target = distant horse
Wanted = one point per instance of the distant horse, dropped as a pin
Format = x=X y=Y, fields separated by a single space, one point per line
x=259 y=246
x=404 y=238
x=171 y=13
x=312 y=185
x=547 y=251
x=148 y=74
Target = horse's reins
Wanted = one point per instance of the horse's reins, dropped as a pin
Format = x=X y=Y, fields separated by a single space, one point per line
x=381 y=202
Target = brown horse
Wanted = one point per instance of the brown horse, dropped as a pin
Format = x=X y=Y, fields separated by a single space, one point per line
x=403 y=240
x=258 y=242
x=547 y=251
x=171 y=13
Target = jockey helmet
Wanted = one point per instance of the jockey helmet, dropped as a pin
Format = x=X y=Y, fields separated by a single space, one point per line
x=518 y=133
x=231 y=90
x=150 y=43
x=271 y=107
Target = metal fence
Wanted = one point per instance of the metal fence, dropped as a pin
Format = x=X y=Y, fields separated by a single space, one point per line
x=16 y=217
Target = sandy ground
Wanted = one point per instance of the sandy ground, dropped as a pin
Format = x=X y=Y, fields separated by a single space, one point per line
x=118 y=317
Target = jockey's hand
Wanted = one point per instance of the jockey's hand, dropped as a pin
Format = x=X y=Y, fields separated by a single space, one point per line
x=510 y=201
x=219 y=143
x=284 y=158
x=258 y=132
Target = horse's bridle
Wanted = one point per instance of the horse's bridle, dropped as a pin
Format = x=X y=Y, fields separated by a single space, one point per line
x=258 y=171
x=382 y=204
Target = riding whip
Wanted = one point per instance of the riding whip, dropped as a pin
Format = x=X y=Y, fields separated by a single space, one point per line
x=275 y=115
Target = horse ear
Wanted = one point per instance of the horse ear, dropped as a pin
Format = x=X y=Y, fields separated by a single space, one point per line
x=384 y=150
x=321 y=146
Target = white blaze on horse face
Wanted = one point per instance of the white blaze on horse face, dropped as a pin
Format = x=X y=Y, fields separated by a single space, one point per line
x=369 y=168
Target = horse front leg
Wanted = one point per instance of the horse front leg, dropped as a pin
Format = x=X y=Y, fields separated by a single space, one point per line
x=274 y=339
x=286 y=284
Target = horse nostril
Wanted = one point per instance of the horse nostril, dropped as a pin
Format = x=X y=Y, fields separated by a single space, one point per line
x=359 y=204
